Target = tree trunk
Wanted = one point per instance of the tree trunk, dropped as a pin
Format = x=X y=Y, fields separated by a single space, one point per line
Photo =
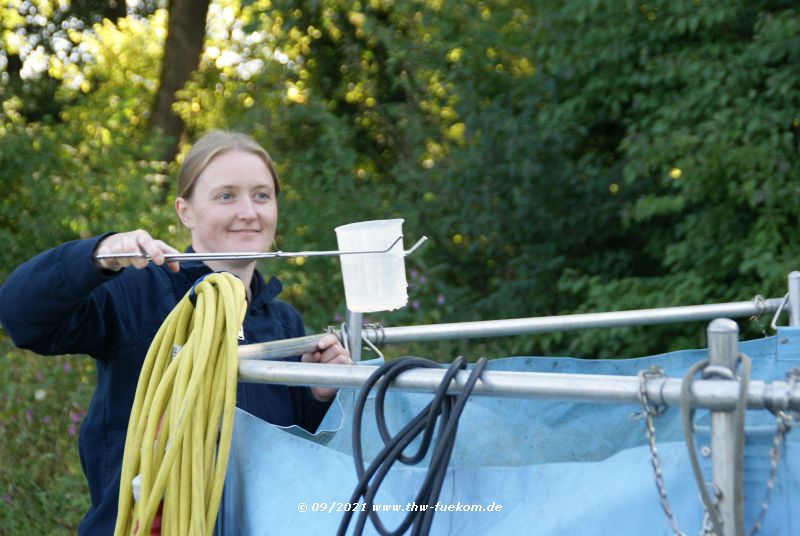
x=186 y=31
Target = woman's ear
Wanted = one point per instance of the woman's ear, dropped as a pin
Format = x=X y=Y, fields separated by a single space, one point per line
x=184 y=212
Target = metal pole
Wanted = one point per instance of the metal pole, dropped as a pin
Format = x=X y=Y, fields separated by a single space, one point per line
x=726 y=470
x=794 y=299
x=354 y=328
x=520 y=326
x=718 y=395
x=280 y=349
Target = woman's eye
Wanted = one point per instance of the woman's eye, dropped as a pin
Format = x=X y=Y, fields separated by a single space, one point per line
x=225 y=196
x=262 y=196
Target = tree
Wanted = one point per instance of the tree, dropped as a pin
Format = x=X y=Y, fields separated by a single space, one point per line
x=688 y=105
x=563 y=156
x=186 y=33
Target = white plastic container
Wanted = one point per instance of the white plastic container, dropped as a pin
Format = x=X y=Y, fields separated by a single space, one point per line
x=373 y=281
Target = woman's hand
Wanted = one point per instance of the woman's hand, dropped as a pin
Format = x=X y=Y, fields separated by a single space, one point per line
x=138 y=241
x=329 y=350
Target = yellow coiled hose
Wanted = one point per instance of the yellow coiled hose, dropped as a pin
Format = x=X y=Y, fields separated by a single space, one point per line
x=180 y=427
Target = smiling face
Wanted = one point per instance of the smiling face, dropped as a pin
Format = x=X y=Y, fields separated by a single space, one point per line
x=233 y=205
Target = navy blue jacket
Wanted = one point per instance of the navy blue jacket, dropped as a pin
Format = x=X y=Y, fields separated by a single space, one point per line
x=60 y=303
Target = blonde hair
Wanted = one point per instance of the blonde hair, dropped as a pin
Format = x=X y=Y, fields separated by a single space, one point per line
x=212 y=144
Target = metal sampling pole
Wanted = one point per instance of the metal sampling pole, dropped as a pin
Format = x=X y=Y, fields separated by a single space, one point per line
x=519 y=326
x=726 y=462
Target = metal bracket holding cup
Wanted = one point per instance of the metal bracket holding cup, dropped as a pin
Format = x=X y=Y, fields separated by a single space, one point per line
x=372 y=283
x=254 y=255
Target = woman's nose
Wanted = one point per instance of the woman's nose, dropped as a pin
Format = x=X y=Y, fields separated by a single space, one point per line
x=247 y=210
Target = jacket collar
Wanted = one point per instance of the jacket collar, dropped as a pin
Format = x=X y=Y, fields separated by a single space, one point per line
x=262 y=291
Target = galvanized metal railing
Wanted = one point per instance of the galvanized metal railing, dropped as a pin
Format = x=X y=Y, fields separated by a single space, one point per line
x=258 y=363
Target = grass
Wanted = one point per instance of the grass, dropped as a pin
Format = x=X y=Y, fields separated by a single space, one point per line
x=42 y=401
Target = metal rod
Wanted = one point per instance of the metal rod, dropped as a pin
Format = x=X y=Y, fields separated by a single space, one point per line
x=280 y=349
x=520 y=326
x=256 y=255
x=354 y=326
x=721 y=395
x=794 y=299
x=723 y=352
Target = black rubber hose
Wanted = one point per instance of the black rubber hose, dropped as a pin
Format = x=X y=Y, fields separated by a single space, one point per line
x=443 y=409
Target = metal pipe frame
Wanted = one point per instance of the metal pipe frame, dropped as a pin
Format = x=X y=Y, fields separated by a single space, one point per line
x=726 y=464
x=721 y=396
x=717 y=395
x=354 y=327
x=520 y=326
x=794 y=298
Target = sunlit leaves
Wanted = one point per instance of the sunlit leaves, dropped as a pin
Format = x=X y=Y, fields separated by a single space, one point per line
x=86 y=170
x=592 y=146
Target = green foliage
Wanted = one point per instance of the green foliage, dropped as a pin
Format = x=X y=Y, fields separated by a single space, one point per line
x=89 y=171
x=42 y=402
x=702 y=132
x=616 y=141
x=79 y=172
x=563 y=157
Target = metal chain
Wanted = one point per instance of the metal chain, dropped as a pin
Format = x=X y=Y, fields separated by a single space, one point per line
x=650 y=411
x=707 y=528
x=784 y=420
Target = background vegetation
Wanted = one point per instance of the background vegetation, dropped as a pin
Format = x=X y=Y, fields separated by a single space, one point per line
x=563 y=156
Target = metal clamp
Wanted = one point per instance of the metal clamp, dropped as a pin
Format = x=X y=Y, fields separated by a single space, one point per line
x=649 y=408
x=372 y=346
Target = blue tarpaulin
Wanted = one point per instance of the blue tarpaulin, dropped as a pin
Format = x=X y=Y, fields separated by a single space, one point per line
x=531 y=466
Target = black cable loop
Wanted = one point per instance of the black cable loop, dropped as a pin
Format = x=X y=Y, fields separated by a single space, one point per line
x=443 y=408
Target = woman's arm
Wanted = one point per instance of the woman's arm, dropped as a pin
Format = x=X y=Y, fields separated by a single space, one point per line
x=62 y=301
x=39 y=297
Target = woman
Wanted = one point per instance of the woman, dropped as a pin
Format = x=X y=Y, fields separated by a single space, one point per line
x=65 y=300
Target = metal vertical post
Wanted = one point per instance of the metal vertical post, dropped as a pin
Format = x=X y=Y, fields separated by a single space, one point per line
x=723 y=352
x=794 y=299
x=354 y=334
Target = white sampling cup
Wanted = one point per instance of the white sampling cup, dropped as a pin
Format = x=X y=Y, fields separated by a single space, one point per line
x=373 y=281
